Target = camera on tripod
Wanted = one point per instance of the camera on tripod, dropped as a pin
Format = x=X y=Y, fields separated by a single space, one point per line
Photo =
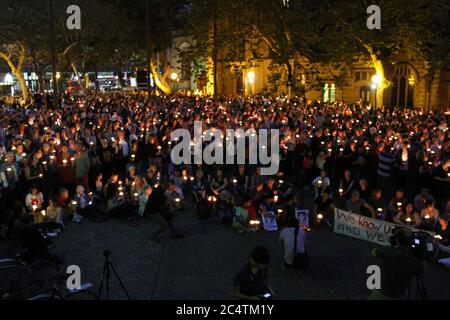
x=422 y=244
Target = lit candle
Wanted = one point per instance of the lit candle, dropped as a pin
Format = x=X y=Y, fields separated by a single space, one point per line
x=177 y=200
x=427 y=216
x=121 y=194
x=9 y=169
x=275 y=198
x=320 y=216
x=64 y=162
x=399 y=204
x=408 y=219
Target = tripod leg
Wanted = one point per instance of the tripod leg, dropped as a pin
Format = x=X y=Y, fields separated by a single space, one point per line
x=120 y=281
x=102 y=282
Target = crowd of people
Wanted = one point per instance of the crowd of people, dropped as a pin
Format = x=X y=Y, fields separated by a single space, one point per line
x=104 y=156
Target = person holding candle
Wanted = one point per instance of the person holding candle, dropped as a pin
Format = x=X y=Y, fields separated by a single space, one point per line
x=320 y=183
x=34 y=201
x=54 y=213
x=429 y=217
x=242 y=217
x=409 y=217
x=82 y=164
x=378 y=201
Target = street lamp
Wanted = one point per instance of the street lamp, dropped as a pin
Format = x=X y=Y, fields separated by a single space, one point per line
x=58 y=76
x=251 y=80
x=174 y=76
x=376 y=81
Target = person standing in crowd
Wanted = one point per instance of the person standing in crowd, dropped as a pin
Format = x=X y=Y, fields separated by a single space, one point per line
x=386 y=161
x=398 y=267
x=158 y=210
x=82 y=165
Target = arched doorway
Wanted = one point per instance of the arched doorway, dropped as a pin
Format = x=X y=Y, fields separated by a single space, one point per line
x=403 y=82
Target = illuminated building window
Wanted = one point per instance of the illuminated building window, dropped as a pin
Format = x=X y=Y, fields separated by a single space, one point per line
x=329 y=93
x=333 y=93
x=326 y=93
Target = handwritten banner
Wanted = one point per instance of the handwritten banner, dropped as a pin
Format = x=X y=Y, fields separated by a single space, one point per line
x=361 y=227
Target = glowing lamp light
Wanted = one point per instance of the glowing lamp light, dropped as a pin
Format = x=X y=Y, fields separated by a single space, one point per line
x=376 y=79
x=174 y=76
x=251 y=77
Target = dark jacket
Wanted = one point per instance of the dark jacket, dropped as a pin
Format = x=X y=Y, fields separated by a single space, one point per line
x=156 y=202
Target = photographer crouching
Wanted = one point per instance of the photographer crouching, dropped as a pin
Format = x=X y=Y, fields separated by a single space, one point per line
x=399 y=265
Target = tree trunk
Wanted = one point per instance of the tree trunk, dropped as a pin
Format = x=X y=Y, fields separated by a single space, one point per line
x=379 y=68
x=17 y=70
x=40 y=75
x=160 y=82
x=75 y=71
x=23 y=84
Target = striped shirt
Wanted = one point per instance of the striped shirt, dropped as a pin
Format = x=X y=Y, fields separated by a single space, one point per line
x=385 y=161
